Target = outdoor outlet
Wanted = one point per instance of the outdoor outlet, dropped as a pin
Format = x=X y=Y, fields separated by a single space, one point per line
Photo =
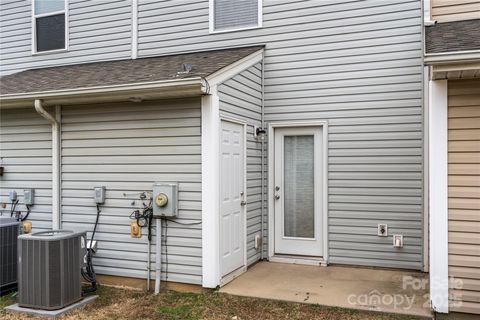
x=135 y=230
x=382 y=230
x=397 y=241
x=26 y=227
x=258 y=242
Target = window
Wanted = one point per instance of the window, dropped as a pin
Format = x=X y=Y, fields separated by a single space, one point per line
x=229 y=15
x=49 y=25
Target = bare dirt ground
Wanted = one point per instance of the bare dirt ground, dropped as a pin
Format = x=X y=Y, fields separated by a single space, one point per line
x=115 y=303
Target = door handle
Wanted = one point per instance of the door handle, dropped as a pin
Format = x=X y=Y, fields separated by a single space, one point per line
x=243 y=203
x=277 y=197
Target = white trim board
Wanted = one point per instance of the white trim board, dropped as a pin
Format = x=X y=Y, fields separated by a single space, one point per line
x=270 y=193
x=210 y=189
x=438 y=193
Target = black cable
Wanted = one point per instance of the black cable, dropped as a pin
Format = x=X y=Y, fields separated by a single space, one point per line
x=166 y=249
x=89 y=272
x=184 y=223
x=28 y=212
x=13 y=207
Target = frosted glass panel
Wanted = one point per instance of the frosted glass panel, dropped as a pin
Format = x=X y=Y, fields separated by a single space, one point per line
x=47 y=6
x=299 y=186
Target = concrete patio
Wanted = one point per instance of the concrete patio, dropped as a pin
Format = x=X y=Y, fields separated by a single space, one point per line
x=392 y=291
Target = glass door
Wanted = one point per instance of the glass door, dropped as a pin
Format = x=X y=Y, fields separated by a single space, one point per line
x=298 y=191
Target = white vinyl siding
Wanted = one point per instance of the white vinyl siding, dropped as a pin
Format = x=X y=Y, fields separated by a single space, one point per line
x=235 y=14
x=26 y=154
x=241 y=98
x=127 y=147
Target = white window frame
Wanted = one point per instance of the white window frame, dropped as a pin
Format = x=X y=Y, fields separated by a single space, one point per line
x=34 y=28
x=211 y=19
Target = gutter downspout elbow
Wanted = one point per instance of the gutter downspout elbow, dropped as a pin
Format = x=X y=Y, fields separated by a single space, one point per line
x=41 y=111
x=56 y=149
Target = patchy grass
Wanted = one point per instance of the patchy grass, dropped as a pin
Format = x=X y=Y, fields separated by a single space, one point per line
x=115 y=303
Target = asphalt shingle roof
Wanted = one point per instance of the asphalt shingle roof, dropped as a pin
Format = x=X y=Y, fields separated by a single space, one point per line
x=121 y=72
x=453 y=36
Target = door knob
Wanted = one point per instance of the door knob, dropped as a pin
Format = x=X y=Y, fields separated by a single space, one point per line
x=243 y=203
x=277 y=197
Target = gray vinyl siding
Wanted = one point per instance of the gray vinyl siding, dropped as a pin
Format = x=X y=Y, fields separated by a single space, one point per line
x=26 y=154
x=241 y=98
x=357 y=64
x=98 y=30
x=127 y=147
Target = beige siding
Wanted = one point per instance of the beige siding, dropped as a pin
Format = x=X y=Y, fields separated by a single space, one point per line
x=464 y=194
x=455 y=10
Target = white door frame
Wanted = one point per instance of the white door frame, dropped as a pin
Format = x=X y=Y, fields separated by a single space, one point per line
x=229 y=277
x=270 y=194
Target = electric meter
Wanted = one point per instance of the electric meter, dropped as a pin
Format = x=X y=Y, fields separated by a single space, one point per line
x=165 y=196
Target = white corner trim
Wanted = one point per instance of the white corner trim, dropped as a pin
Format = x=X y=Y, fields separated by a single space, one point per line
x=210 y=189
x=134 y=29
x=271 y=180
x=438 y=194
x=235 y=68
x=427 y=13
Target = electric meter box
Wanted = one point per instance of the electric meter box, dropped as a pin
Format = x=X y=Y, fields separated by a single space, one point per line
x=165 y=200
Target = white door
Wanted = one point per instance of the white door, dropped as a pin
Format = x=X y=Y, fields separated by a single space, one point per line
x=298 y=191
x=232 y=197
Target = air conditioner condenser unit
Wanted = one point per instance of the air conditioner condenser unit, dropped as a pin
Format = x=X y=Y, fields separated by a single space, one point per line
x=49 y=268
x=9 y=231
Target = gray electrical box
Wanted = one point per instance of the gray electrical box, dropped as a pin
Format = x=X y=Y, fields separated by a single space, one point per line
x=99 y=195
x=165 y=200
x=28 y=196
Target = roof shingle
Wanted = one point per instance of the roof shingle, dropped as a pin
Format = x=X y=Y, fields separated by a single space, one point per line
x=453 y=36
x=121 y=72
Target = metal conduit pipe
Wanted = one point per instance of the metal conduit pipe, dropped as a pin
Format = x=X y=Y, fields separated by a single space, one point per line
x=158 y=255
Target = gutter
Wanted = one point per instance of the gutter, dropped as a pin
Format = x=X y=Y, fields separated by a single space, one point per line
x=70 y=96
x=55 y=122
x=452 y=57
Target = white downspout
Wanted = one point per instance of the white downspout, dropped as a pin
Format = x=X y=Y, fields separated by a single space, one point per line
x=55 y=121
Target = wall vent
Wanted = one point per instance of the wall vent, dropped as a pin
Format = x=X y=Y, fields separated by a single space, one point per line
x=49 y=268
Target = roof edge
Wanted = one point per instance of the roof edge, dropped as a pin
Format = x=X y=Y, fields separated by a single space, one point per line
x=452 y=57
x=192 y=86
x=235 y=68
